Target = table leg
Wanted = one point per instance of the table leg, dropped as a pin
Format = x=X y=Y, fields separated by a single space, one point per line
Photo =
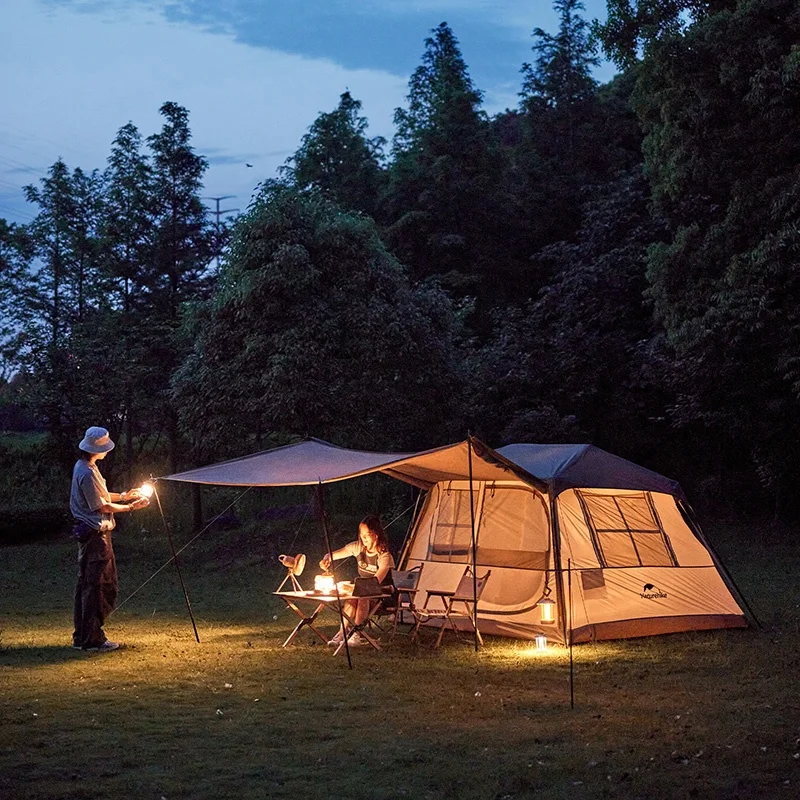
x=304 y=620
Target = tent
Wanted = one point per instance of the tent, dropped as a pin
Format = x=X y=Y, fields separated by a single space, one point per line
x=609 y=543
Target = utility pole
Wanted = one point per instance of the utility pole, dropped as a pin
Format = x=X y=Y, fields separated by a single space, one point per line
x=218 y=212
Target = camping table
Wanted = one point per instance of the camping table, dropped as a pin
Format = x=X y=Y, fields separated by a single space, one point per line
x=293 y=598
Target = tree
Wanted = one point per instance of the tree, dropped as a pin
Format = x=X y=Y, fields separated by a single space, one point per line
x=444 y=199
x=719 y=103
x=632 y=26
x=562 y=73
x=183 y=247
x=574 y=135
x=66 y=287
x=315 y=330
x=582 y=362
x=337 y=158
x=16 y=254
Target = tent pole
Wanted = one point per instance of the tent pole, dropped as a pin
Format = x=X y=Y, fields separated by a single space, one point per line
x=688 y=515
x=474 y=553
x=324 y=518
x=557 y=568
x=177 y=566
x=571 y=663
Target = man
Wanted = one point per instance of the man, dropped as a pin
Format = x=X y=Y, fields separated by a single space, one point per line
x=93 y=508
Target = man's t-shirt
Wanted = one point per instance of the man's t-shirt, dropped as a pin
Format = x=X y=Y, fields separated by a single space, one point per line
x=88 y=494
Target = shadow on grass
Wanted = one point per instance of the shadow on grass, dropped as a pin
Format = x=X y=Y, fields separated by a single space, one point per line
x=39 y=656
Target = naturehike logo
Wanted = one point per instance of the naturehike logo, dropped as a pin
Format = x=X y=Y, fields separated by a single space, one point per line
x=650 y=592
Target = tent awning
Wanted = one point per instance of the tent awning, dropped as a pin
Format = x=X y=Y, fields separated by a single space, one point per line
x=315 y=461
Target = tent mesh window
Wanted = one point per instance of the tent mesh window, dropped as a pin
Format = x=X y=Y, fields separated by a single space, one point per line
x=452 y=534
x=626 y=530
x=514 y=530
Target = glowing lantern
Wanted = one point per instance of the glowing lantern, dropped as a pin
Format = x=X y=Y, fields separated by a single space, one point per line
x=547 y=610
x=325 y=584
x=146 y=490
x=541 y=642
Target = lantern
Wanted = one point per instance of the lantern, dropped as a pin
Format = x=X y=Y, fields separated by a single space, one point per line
x=324 y=584
x=541 y=642
x=146 y=490
x=547 y=608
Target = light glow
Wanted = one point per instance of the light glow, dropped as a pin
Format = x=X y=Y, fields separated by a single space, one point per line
x=547 y=610
x=324 y=583
x=541 y=643
x=146 y=490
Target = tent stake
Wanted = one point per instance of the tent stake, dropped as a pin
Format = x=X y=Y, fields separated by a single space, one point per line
x=177 y=566
x=324 y=519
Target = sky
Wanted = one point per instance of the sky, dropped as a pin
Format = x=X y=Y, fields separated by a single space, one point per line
x=253 y=74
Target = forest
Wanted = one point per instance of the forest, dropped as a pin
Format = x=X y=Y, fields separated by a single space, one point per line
x=613 y=263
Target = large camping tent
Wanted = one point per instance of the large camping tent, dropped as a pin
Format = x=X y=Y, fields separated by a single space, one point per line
x=607 y=541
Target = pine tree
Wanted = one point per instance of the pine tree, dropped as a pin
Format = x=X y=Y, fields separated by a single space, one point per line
x=446 y=216
x=337 y=158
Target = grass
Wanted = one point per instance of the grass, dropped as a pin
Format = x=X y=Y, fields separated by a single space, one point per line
x=711 y=715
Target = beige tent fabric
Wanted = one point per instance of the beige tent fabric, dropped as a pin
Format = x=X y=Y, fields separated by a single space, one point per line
x=629 y=564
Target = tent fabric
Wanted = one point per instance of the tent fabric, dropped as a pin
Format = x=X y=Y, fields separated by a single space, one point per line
x=315 y=461
x=570 y=466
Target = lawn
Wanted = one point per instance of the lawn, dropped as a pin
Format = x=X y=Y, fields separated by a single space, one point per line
x=710 y=715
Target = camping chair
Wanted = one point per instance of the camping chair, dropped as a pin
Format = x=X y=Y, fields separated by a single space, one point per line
x=458 y=604
x=405 y=582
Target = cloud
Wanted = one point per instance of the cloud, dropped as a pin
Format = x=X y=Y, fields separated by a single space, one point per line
x=73 y=78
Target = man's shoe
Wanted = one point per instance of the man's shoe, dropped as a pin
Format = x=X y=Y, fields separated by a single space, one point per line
x=336 y=639
x=356 y=640
x=106 y=647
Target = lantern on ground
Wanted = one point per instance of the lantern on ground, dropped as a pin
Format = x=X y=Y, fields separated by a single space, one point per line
x=541 y=642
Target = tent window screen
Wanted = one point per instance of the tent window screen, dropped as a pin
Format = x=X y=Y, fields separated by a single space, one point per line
x=514 y=529
x=452 y=535
x=626 y=530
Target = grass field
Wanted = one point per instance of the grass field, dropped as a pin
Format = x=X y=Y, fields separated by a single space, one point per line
x=710 y=715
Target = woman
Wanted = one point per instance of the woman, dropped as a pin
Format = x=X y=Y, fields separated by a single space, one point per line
x=93 y=508
x=371 y=552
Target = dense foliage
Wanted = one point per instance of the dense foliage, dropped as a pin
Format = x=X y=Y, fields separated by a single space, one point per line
x=612 y=263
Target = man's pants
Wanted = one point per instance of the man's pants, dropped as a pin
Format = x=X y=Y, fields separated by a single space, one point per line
x=95 y=593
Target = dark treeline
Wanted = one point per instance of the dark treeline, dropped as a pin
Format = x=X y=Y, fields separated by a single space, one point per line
x=608 y=263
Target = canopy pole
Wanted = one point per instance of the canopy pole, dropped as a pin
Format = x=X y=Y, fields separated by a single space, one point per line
x=324 y=520
x=474 y=549
x=177 y=566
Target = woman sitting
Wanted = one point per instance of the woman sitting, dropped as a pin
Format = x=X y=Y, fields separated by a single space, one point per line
x=371 y=552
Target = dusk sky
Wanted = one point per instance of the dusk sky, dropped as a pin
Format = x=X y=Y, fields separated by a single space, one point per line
x=253 y=74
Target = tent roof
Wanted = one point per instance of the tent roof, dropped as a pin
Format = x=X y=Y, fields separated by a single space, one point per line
x=314 y=461
x=572 y=466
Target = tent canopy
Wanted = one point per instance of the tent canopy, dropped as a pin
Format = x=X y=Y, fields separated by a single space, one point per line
x=314 y=461
x=571 y=466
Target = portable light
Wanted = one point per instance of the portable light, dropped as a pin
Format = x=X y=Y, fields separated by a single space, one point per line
x=324 y=583
x=541 y=642
x=146 y=490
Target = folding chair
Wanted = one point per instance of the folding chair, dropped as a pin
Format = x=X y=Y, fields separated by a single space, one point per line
x=405 y=582
x=458 y=604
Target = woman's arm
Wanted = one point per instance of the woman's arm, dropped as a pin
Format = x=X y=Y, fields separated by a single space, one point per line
x=337 y=555
x=385 y=563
